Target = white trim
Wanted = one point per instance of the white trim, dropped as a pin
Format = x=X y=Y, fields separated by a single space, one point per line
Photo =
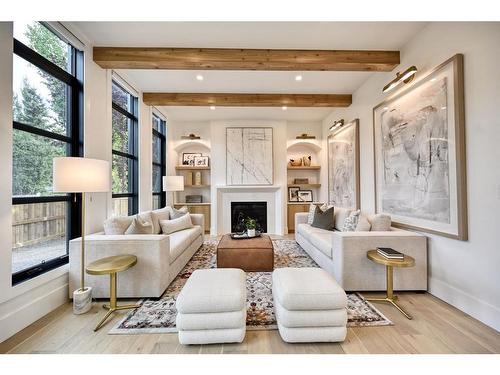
x=158 y=113
x=119 y=79
x=475 y=307
x=64 y=33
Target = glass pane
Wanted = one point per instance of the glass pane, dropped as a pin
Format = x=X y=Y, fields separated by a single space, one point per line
x=38 y=233
x=157 y=124
x=157 y=150
x=32 y=163
x=157 y=179
x=120 y=174
x=120 y=206
x=121 y=140
x=45 y=42
x=156 y=202
x=39 y=99
x=121 y=97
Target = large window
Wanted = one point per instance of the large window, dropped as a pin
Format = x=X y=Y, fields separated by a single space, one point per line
x=47 y=122
x=159 y=167
x=125 y=172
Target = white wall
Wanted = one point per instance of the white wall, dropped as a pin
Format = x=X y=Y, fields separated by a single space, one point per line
x=464 y=274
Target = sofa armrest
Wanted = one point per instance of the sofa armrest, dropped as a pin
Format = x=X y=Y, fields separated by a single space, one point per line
x=300 y=218
x=198 y=219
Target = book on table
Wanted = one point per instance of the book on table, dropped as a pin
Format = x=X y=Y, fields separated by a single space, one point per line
x=390 y=253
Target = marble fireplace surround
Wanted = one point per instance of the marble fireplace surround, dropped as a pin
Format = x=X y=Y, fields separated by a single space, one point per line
x=272 y=194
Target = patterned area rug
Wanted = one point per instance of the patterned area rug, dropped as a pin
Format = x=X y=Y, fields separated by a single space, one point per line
x=158 y=315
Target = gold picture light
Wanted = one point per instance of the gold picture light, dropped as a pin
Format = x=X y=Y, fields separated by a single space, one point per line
x=406 y=77
x=336 y=124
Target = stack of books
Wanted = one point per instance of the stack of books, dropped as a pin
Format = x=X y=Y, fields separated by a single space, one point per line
x=389 y=253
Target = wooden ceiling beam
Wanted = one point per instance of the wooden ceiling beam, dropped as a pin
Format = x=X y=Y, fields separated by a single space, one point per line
x=246 y=100
x=244 y=59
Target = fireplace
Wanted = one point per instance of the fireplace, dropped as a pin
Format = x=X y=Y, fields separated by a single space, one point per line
x=240 y=211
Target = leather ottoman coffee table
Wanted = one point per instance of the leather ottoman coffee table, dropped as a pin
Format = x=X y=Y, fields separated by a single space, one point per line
x=250 y=254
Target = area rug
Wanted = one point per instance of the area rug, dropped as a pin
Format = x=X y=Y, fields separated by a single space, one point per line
x=158 y=315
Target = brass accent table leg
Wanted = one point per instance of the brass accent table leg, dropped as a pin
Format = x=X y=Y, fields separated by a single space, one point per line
x=112 y=302
x=390 y=297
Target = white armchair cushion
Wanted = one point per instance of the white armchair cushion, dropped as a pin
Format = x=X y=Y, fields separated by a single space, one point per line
x=175 y=225
x=117 y=224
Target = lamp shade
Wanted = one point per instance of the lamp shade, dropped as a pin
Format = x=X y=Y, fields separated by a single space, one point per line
x=173 y=183
x=80 y=175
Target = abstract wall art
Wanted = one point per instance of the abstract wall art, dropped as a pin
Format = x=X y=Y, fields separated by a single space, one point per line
x=343 y=166
x=419 y=144
x=249 y=156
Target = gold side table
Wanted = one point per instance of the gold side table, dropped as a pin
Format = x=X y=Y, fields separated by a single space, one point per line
x=408 y=261
x=112 y=265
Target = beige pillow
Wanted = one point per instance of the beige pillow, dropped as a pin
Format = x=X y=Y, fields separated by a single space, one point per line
x=380 y=222
x=140 y=227
x=340 y=215
x=159 y=215
x=176 y=225
x=117 y=224
x=363 y=224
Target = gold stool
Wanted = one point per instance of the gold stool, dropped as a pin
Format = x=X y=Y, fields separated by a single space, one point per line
x=112 y=265
x=408 y=261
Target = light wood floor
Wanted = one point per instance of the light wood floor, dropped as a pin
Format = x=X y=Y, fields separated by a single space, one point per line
x=436 y=328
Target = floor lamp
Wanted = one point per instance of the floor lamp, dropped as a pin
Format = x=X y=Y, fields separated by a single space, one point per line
x=173 y=183
x=81 y=175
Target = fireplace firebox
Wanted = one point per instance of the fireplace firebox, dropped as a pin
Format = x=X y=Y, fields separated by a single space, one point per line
x=240 y=211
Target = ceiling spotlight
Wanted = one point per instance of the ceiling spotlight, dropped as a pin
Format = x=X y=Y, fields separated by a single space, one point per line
x=212 y=107
x=298 y=78
x=284 y=108
x=406 y=77
x=337 y=124
x=199 y=77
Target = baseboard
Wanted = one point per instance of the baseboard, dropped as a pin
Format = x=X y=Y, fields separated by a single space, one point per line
x=478 y=309
x=28 y=313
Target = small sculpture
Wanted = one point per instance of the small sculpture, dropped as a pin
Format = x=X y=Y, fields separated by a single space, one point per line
x=307 y=160
x=295 y=163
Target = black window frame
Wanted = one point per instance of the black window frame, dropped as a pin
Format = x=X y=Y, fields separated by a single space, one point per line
x=133 y=157
x=162 y=135
x=73 y=140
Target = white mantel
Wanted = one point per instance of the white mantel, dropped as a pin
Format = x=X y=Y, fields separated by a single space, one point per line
x=272 y=194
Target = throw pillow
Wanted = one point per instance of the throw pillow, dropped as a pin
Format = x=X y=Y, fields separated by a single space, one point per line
x=312 y=209
x=139 y=227
x=177 y=213
x=159 y=215
x=145 y=217
x=176 y=225
x=340 y=215
x=117 y=224
x=363 y=224
x=380 y=222
x=351 y=222
x=323 y=219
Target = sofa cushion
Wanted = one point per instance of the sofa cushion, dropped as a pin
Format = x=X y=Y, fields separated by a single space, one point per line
x=213 y=290
x=307 y=289
x=380 y=222
x=351 y=221
x=363 y=224
x=340 y=215
x=323 y=219
x=307 y=231
x=310 y=318
x=175 y=225
x=139 y=227
x=159 y=215
x=218 y=320
x=180 y=241
x=117 y=224
x=177 y=213
x=322 y=242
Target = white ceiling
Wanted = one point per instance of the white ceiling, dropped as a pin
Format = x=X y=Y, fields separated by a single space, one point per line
x=291 y=35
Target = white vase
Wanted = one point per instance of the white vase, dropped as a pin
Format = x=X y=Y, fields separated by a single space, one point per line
x=82 y=300
x=251 y=232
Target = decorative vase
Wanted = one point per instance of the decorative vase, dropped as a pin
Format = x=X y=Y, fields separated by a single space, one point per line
x=307 y=161
x=197 y=178
x=82 y=300
x=295 y=162
x=251 y=232
x=189 y=178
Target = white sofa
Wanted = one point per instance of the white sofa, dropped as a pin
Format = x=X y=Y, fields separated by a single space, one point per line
x=343 y=255
x=160 y=258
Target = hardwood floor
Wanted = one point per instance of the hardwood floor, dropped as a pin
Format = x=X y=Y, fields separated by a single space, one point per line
x=436 y=328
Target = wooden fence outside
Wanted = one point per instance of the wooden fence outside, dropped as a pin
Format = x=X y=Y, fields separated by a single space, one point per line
x=37 y=222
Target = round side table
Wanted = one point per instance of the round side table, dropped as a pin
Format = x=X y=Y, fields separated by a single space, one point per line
x=111 y=266
x=389 y=264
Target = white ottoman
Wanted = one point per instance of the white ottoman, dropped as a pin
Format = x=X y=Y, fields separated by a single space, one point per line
x=211 y=308
x=309 y=305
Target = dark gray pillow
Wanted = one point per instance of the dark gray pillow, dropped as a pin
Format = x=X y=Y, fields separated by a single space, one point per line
x=323 y=219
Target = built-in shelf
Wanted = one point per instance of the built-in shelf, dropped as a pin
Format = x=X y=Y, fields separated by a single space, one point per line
x=312 y=143
x=191 y=168
x=305 y=186
x=303 y=168
x=192 y=204
x=301 y=203
x=191 y=143
x=196 y=186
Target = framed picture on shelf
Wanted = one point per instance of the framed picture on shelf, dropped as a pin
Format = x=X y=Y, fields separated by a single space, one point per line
x=293 y=194
x=188 y=158
x=201 y=161
x=305 y=195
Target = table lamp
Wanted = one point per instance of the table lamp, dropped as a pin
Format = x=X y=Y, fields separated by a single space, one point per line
x=173 y=183
x=81 y=175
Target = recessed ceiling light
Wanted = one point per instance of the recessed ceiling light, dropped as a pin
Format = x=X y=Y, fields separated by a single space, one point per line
x=199 y=77
x=298 y=78
x=284 y=108
x=212 y=107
